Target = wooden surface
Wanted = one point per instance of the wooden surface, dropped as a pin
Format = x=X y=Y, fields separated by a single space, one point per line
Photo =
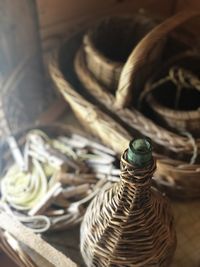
x=58 y=17
x=183 y=4
x=193 y=4
x=19 y=37
x=19 y=21
x=187 y=221
x=5 y=261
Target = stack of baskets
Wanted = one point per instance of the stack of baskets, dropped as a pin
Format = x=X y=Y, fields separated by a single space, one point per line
x=87 y=76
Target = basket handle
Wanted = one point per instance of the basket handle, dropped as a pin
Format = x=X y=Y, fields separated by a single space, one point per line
x=142 y=55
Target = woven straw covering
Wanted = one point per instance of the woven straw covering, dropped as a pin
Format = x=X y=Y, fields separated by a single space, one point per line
x=174 y=174
x=135 y=72
x=129 y=224
x=105 y=60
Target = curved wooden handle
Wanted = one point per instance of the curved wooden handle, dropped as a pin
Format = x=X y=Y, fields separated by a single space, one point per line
x=144 y=54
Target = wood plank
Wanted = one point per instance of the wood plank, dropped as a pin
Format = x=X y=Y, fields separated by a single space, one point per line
x=183 y=4
x=5 y=261
x=58 y=17
x=53 y=12
x=193 y=25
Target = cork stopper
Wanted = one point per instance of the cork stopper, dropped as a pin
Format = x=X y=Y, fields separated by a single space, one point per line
x=140 y=152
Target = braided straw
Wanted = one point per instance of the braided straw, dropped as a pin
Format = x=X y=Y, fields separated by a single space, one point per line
x=171 y=174
x=145 y=53
x=90 y=115
x=132 y=117
x=129 y=224
x=105 y=63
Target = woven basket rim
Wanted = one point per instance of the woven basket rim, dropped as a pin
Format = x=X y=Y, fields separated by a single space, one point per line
x=53 y=62
x=82 y=107
x=171 y=113
x=110 y=97
x=88 y=40
x=161 y=108
x=89 y=47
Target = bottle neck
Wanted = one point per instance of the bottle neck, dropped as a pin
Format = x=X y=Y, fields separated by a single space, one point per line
x=139 y=152
x=136 y=181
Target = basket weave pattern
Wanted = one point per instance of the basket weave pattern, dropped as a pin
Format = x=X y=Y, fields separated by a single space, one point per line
x=129 y=224
x=174 y=173
x=106 y=65
x=132 y=117
x=182 y=79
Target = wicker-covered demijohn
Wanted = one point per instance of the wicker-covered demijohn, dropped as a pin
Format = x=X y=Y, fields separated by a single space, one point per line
x=129 y=223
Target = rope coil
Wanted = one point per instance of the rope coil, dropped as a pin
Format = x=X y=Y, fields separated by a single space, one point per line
x=62 y=175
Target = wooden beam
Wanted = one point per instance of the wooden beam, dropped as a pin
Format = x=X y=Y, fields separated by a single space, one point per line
x=183 y=4
x=61 y=16
x=194 y=24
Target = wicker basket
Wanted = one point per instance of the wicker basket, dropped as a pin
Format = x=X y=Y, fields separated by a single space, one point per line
x=99 y=111
x=108 y=44
x=132 y=117
x=162 y=99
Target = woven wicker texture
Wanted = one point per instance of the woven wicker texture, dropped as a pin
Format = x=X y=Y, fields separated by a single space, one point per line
x=178 y=79
x=146 y=51
x=128 y=82
x=187 y=254
x=172 y=142
x=132 y=117
x=171 y=174
x=104 y=59
x=129 y=224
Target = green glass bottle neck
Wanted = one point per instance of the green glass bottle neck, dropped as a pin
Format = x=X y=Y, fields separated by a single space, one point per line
x=140 y=152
